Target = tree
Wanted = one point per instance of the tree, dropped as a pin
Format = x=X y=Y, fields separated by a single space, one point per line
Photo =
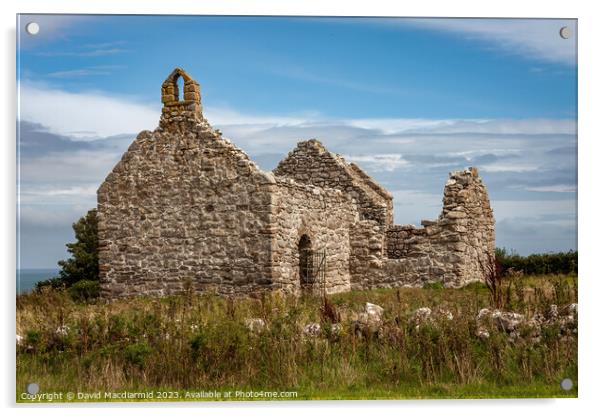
x=83 y=264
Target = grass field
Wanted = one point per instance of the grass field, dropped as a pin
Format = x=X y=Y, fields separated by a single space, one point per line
x=176 y=346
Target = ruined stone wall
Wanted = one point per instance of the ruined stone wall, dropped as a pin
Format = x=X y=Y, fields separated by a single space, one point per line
x=326 y=217
x=370 y=267
x=311 y=163
x=367 y=249
x=451 y=249
x=184 y=208
x=467 y=214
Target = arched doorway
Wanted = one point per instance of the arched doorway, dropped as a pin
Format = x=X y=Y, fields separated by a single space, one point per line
x=305 y=261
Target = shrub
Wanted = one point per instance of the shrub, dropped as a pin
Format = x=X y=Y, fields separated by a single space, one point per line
x=33 y=339
x=533 y=264
x=54 y=283
x=84 y=290
x=137 y=354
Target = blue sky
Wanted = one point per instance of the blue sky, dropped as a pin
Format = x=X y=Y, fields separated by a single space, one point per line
x=407 y=99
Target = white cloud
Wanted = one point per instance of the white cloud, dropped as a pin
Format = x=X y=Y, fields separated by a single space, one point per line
x=76 y=73
x=68 y=167
x=32 y=194
x=88 y=115
x=531 y=38
x=85 y=115
x=411 y=157
x=254 y=122
x=468 y=126
x=553 y=188
x=53 y=216
x=399 y=125
x=386 y=162
x=531 y=126
x=506 y=167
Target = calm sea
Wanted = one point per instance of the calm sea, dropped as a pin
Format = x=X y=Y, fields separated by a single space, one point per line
x=27 y=278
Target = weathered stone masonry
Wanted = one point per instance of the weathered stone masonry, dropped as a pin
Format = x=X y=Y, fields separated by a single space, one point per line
x=186 y=208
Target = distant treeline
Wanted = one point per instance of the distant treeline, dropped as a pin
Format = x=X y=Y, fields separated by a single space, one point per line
x=548 y=263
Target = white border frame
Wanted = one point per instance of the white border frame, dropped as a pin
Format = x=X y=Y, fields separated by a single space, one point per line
x=589 y=71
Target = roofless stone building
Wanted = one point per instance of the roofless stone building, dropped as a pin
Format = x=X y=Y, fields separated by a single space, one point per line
x=186 y=208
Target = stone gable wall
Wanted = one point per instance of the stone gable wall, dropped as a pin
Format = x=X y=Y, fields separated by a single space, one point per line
x=184 y=208
x=311 y=163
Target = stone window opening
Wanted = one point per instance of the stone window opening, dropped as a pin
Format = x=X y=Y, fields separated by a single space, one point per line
x=178 y=84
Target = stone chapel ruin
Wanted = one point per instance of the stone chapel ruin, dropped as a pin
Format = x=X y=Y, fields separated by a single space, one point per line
x=185 y=208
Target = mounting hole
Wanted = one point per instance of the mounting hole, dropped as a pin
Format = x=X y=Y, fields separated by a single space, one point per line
x=32 y=28
x=33 y=388
x=565 y=32
x=566 y=384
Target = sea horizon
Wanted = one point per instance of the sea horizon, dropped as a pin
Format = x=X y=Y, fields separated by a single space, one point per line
x=26 y=278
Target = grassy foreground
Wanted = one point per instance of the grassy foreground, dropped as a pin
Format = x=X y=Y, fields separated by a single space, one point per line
x=198 y=347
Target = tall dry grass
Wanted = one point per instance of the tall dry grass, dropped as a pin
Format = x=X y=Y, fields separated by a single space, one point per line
x=202 y=341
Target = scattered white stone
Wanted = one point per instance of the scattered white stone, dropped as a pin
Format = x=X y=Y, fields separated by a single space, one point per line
x=507 y=321
x=482 y=333
x=421 y=316
x=483 y=313
x=62 y=330
x=510 y=323
x=255 y=324
x=553 y=312
x=194 y=327
x=312 y=329
x=19 y=339
x=374 y=310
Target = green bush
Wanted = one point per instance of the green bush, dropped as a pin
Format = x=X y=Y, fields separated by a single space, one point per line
x=54 y=283
x=33 y=339
x=537 y=264
x=137 y=354
x=84 y=290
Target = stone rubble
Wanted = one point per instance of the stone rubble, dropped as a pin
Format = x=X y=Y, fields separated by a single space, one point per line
x=312 y=330
x=370 y=320
x=255 y=325
x=426 y=315
x=517 y=325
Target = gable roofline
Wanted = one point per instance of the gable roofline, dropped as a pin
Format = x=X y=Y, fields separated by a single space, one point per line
x=355 y=173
